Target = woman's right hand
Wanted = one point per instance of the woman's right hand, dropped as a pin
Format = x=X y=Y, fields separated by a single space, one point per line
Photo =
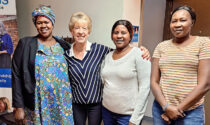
x=146 y=54
x=4 y=51
x=19 y=116
x=166 y=118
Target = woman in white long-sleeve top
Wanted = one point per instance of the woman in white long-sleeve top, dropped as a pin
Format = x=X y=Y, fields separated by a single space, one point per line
x=126 y=78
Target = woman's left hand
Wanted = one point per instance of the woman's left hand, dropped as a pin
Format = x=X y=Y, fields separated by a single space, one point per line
x=146 y=54
x=130 y=123
x=173 y=112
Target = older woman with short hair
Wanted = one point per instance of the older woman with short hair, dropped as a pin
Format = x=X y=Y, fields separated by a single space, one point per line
x=84 y=59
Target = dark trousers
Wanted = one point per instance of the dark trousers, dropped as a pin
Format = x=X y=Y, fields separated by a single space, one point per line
x=83 y=111
x=5 y=60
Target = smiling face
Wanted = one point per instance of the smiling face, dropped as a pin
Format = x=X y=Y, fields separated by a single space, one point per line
x=44 y=26
x=121 y=37
x=181 y=24
x=80 y=31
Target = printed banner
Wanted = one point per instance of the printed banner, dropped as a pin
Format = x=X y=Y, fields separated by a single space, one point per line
x=8 y=42
x=5 y=78
x=7 y=7
x=135 y=34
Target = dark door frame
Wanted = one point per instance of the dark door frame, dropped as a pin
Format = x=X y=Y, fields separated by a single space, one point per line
x=166 y=31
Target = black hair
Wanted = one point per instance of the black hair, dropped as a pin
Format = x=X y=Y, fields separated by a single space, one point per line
x=188 y=9
x=125 y=23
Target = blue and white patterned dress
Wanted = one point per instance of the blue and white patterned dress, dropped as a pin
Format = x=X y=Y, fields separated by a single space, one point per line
x=53 y=97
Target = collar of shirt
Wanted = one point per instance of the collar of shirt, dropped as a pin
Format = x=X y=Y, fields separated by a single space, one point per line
x=88 y=47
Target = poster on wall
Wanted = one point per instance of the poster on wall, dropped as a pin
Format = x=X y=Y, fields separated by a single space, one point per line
x=8 y=42
x=135 y=34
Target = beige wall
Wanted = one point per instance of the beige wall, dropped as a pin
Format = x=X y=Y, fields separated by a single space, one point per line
x=153 y=23
x=131 y=11
x=103 y=13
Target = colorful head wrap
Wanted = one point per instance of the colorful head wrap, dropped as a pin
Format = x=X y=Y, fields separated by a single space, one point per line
x=44 y=11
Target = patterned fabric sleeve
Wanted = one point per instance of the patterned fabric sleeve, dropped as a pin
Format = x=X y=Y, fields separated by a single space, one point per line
x=205 y=49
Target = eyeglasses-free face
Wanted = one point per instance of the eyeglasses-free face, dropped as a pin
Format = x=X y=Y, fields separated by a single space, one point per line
x=80 y=32
x=44 y=26
x=121 y=37
x=181 y=24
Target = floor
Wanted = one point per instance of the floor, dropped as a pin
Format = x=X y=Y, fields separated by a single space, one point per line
x=147 y=121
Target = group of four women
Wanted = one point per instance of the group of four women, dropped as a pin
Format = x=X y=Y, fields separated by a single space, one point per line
x=108 y=84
